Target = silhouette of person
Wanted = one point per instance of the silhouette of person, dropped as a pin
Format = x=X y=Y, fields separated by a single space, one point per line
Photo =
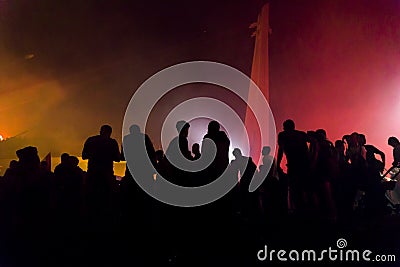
x=374 y=165
x=180 y=145
x=269 y=160
x=146 y=161
x=264 y=172
x=313 y=149
x=196 y=151
x=244 y=168
x=101 y=151
x=356 y=154
x=132 y=141
x=273 y=190
x=327 y=171
x=395 y=143
x=216 y=217
x=326 y=156
x=344 y=185
x=68 y=178
x=183 y=129
x=374 y=190
x=61 y=170
x=221 y=141
x=394 y=195
x=340 y=154
x=178 y=221
x=12 y=169
x=293 y=144
x=340 y=150
x=30 y=205
x=355 y=151
x=136 y=204
x=64 y=163
x=177 y=153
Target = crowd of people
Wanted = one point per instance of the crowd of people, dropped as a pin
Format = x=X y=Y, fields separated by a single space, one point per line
x=75 y=214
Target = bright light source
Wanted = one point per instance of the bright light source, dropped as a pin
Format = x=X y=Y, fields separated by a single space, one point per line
x=29 y=56
x=1 y=138
x=198 y=128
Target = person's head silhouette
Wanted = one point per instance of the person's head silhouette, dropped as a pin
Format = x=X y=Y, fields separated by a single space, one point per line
x=74 y=161
x=237 y=153
x=288 y=125
x=13 y=164
x=266 y=151
x=134 y=129
x=339 y=146
x=64 y=158
x=28 y=156
x=321 y=134
x=393 y=141
x=353 y=140
x=183 y=128
x=106 y=131
x=213 y=127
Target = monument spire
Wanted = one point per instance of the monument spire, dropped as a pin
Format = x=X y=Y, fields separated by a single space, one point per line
x=260 y=76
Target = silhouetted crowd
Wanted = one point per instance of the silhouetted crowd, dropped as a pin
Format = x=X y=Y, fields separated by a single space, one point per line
x=71 y=217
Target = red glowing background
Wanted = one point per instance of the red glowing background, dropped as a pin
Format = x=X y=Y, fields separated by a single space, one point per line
x=337 y=66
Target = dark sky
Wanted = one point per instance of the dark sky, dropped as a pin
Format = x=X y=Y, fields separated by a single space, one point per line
x=66 y=67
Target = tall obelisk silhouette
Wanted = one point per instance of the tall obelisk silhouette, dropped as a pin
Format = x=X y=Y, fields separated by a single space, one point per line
x=259 y=75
